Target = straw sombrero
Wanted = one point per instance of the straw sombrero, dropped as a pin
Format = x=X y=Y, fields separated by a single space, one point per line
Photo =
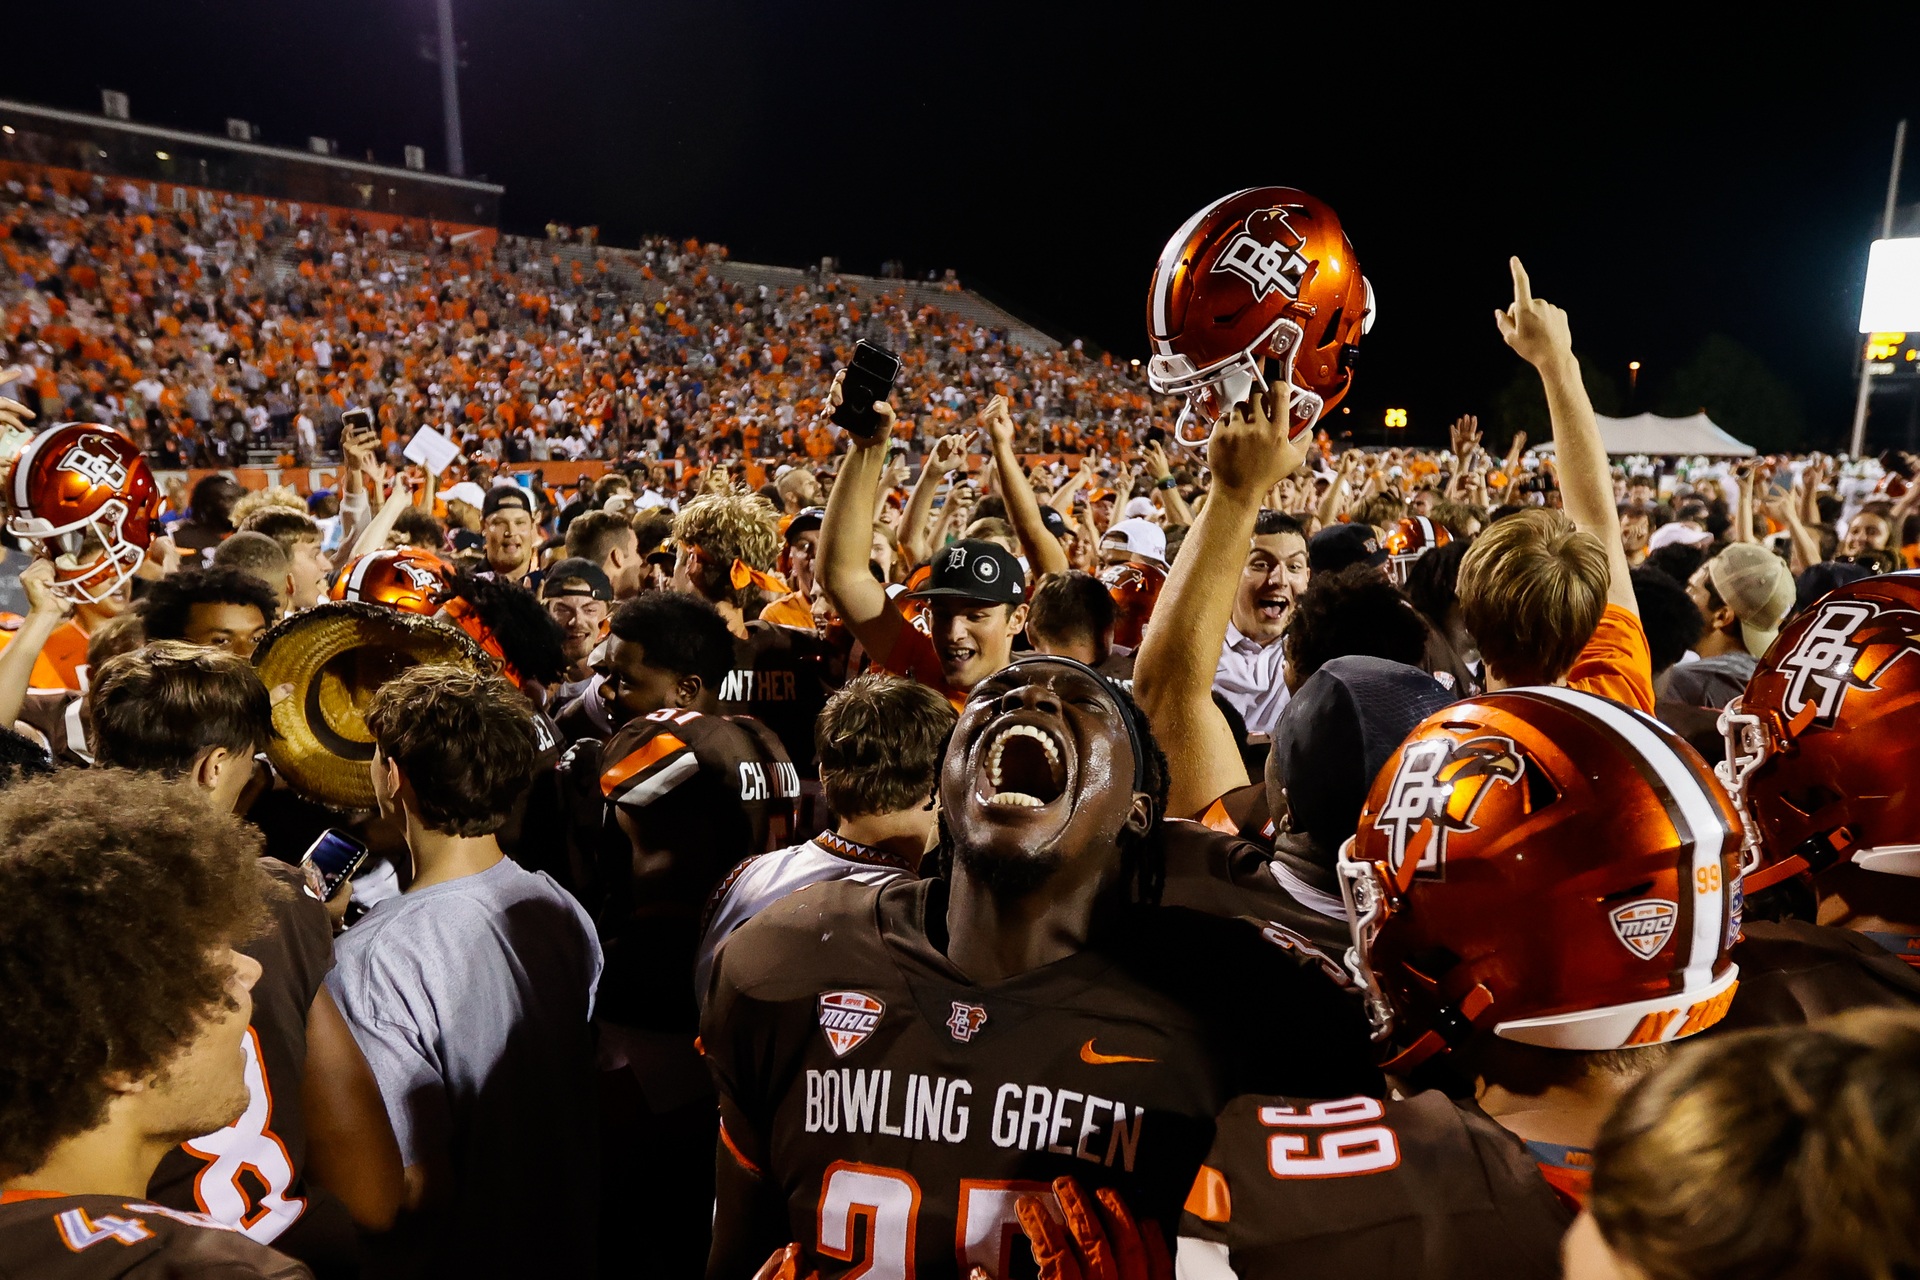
x=334 y=656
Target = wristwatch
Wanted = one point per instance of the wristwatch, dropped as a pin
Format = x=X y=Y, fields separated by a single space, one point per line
x=1166 y=482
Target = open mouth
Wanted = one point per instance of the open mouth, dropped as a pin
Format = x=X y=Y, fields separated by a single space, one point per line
x=1025 y=768
x=1270 y=608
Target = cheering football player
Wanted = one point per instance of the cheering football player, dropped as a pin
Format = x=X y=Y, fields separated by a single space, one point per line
x=898 y=1065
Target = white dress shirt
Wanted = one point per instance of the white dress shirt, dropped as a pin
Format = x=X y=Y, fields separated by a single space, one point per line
x=1251 y=676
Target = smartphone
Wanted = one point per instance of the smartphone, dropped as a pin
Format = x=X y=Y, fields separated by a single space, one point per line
x=356 y=422
x=331 y=860
x=869 y=378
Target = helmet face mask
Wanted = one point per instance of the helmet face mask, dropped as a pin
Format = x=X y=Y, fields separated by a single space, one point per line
x=76 y=486
x=1364 y=889
x=1821 y=745
x=1260 y=287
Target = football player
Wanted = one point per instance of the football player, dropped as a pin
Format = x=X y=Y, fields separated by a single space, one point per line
x=1820 y=756
x=897 y=1066
x=1542 y=893
x=125 y=1026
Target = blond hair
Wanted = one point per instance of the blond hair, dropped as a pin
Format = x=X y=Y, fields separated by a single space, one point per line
x=1792 y=1151
x=1532 y=589
x=732 y=524
x=280 y=497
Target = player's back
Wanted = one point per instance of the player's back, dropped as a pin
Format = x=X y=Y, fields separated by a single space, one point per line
x=92 y=1237
x=1793 y=973
x=1420 y=1189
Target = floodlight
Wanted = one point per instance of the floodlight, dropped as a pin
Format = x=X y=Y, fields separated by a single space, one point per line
x=1892 y=303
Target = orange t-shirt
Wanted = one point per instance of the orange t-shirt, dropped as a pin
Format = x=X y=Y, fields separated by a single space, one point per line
x=1616 y=662
x=62 y=663
x=789 y=611
x=915 y=658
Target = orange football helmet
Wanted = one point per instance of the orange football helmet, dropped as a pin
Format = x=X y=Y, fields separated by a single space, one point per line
x=1264 y=274
x=76 y=479
x=1547 y=865
x=1823 y=749
x=405 y=578
x=1412 y=538
x=1135 y=589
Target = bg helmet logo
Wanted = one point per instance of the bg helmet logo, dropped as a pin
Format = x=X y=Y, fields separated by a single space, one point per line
x=1849 y=646
x=95 y=465
x=1436 y=789
x=1266 y=254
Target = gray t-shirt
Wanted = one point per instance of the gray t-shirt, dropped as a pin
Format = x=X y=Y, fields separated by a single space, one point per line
x=471 y=1001
x=1711 y=682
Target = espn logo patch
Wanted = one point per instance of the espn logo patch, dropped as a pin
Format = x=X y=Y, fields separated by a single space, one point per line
x=1643 y=927
x=848 y=1018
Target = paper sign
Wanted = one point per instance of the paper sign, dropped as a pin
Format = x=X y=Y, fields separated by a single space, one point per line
x=431 y=450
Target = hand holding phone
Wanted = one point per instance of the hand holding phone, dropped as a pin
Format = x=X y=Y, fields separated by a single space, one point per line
x=865 y=382
x=331 y=861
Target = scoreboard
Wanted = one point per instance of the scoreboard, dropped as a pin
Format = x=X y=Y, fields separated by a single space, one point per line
x=1893 y=355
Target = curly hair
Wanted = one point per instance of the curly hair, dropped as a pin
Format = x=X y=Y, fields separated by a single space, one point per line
x=529 y=637
x=1354 y=610
x=287 y=524
x=118 y=895
x=724 y=527
x=463 y=739
x=879 y=741
x=169 y=601
x=260 y=504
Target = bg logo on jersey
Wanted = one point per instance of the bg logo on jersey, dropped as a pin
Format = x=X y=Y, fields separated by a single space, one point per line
x=1435 y=791
x=848 y=1018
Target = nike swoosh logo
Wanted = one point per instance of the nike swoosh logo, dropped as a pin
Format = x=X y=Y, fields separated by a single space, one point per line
x=1094 y=1058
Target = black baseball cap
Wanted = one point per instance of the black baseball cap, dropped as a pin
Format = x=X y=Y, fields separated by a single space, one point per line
x=1055 y=522
x=506 y=495
x=975 y=569
x=806 y=522
x=1339 y=545
x=576 y=576
x=1339 y=728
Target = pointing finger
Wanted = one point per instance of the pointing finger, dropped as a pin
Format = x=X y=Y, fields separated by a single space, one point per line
x=1522 y=287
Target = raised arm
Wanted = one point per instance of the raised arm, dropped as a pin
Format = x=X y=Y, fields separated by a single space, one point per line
x=846 y=540
x=1173 y=672
x=1538 y=331
x=949 y=453
x=46 y=610
x=1170 y=499
x=1023 y=509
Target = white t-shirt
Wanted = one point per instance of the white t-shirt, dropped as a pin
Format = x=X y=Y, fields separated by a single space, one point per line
x=763 y=880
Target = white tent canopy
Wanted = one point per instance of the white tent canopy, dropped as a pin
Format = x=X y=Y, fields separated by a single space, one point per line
x=1645 y=433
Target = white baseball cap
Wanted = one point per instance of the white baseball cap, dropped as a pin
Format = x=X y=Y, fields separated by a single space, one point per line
x=1143 y=538
x=466 y=491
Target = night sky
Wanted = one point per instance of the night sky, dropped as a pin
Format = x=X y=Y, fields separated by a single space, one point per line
x=1663 y=183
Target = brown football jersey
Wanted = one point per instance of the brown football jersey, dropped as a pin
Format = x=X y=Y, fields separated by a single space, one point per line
x=251 y=1174
x=1793 y=973
x=783 y=678
x=1225 y=875
x=702 y=793
x=1419 y=1189
x=59 y=1237
x=898 y=1110
x=57 y=715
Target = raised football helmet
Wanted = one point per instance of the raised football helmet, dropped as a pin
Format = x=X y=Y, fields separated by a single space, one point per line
x=1258 y=286
x=1135 y=589
x=1547 y=865
x=1823 y=748
x=404 y=578
x=1412 y=538
x=76 y=486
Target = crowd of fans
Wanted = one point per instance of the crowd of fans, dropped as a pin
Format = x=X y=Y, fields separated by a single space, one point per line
x=1301 y=861
x=217 y=332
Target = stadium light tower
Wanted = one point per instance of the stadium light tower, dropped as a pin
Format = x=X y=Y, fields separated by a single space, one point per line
x=450 y=89
x=1859 y=441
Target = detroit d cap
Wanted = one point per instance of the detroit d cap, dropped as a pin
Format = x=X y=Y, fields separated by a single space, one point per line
x=975 y=569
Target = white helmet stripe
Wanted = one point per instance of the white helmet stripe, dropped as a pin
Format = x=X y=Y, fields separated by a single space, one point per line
x=22 y=467
x=357 y=575
x=1163 y=273
x=1697 y=821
